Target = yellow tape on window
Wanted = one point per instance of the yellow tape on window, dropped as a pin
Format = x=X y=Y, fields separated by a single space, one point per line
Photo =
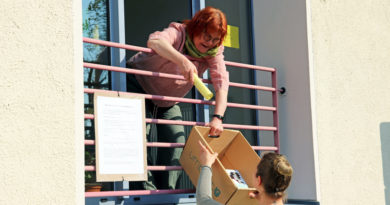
x=232 y=38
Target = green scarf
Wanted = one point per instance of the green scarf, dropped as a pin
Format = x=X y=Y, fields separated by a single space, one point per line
x=194 y=52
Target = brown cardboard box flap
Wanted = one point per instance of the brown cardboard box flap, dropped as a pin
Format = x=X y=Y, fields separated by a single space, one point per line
x=234 y=152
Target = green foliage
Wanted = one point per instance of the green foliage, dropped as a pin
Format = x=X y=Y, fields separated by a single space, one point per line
x=90 y=176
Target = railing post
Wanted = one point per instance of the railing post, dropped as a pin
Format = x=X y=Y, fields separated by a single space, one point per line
x=275 y=113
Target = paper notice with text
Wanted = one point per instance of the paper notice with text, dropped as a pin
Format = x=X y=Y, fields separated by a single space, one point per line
x=120 y=138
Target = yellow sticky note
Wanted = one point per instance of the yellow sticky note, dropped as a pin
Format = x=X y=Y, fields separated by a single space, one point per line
x=232 y=37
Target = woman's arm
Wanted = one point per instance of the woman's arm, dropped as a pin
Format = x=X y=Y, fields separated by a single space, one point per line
x=203 y=189
x=163 y=48
x=220 y=108
x=220 y=79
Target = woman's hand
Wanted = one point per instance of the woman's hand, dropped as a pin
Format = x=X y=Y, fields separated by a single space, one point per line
x=216 y=127
x=206 y=158
x=188 y=70
x=254 y=195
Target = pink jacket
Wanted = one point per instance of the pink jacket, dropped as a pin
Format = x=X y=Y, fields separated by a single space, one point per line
x=176 y=34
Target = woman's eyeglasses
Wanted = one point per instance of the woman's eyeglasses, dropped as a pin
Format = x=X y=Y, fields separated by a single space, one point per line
x=207 y=37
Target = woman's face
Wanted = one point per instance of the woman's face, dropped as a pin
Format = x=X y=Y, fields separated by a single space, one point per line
x=255 y=179
x=206 y=41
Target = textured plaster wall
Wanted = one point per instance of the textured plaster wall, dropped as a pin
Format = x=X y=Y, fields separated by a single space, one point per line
x=41 y=102
x=281 y=41
x=351 y=69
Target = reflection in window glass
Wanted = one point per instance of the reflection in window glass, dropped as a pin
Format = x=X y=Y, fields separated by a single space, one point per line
x=95 y=25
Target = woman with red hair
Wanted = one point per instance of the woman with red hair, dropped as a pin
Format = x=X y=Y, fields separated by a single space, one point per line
x=187 y=49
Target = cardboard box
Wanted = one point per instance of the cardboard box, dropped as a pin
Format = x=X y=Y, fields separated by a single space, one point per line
x=234 y=152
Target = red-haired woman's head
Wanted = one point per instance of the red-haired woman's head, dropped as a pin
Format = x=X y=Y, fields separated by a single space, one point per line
x=207 y=22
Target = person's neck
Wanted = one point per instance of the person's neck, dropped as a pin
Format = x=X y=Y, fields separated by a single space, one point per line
x=264 y=199
x=270 y=201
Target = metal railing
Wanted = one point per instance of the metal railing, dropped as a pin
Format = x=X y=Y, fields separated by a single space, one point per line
x=274 y=109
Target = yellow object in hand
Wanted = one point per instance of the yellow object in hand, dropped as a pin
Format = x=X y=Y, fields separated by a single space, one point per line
x=207 y=94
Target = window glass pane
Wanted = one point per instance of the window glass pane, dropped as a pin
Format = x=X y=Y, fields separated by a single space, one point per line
x=238 y=14
x=95 y=25
x=141 y=19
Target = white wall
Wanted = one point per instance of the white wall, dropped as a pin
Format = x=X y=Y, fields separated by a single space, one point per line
x=41 y=103
x=333 y=58
x=282 y=42
x=351 y=49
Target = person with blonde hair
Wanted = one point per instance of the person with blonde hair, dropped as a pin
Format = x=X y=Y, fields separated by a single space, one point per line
x=272 y=178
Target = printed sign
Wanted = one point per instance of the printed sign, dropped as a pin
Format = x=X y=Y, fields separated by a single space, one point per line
x=120 y=138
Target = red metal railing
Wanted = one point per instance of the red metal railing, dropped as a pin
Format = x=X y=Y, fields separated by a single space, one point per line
x=165 y=144
x=274 y=109
x=185 y=100
x=166 y=75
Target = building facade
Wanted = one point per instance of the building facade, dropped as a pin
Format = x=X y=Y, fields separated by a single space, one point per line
x=332 y=58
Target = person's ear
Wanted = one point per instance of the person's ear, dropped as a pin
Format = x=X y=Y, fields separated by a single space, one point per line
x=259 y=180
